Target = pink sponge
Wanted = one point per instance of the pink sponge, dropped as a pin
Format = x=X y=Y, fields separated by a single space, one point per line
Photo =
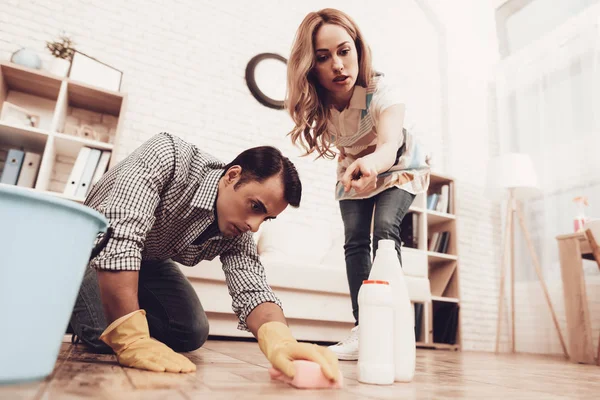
x=308 y=376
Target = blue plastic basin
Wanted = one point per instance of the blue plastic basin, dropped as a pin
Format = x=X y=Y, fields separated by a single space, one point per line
x=45 y=245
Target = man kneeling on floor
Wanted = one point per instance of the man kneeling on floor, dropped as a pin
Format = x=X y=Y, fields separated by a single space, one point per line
x=169 y=201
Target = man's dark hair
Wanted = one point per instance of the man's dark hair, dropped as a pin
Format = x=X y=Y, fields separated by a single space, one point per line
x=260 y=163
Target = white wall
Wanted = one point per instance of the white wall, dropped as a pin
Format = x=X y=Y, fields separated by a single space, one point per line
x=472 y=52
x=184 y=64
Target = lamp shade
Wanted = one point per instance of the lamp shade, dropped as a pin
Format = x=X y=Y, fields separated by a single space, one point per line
x=511 y=171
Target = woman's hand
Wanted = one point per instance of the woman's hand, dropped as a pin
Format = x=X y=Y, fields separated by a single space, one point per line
x=361 y=176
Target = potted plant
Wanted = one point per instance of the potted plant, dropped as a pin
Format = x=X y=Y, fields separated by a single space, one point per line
x=62 y=51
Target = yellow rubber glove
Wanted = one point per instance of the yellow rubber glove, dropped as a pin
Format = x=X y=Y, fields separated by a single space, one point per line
x=279 y=346
x=129 y=337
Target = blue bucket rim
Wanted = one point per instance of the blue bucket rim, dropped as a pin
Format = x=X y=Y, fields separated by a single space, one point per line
x=48 y=198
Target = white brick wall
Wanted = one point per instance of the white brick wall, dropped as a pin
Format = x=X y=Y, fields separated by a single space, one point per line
x=184 y=65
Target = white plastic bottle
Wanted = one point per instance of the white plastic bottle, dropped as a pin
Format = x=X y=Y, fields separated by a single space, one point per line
x=376 y=334
x=386 y=266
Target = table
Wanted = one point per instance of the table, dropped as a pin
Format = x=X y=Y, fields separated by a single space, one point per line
x=573 y=248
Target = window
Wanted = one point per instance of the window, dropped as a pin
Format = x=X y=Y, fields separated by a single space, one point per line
x=520 y=22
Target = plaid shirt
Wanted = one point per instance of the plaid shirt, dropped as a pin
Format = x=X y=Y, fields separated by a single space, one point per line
x=160 y=202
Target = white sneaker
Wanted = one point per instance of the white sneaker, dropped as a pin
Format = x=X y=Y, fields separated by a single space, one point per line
x=348 y=348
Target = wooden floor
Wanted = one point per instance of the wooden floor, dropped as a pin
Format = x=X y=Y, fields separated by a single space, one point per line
x=238 y=370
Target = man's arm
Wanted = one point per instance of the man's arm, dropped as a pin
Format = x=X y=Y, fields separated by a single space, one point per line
x=119 y=293
x=247 y=284
x=263 y=313
x=260 y=312
x=130 y=206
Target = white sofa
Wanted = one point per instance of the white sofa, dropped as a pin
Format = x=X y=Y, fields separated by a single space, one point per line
x=305 y=267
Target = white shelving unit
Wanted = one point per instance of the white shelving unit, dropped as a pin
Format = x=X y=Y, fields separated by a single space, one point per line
x=442 y=268
x=52 y=97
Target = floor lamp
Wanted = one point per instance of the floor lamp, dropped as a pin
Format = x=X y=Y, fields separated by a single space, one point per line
x=511 y=177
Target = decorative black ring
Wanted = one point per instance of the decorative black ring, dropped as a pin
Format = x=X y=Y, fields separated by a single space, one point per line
x=251 y=81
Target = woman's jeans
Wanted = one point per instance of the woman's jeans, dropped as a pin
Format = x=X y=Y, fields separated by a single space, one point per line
x=174 y=312
x=390 y=207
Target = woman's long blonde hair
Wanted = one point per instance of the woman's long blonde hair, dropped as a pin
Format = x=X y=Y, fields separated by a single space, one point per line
x=306 y=100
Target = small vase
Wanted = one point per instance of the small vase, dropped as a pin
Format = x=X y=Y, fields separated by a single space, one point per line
x=27 y=58
x=59 y=66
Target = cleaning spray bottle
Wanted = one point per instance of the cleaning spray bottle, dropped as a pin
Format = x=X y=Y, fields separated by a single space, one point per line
x=386 y=267
x=580 y=219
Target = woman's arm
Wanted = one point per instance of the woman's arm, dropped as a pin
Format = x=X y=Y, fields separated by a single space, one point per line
x=362 y=173
x=389 y=138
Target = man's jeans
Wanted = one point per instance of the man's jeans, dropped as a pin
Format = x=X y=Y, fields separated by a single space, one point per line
x=175 y=315
x=390 y=207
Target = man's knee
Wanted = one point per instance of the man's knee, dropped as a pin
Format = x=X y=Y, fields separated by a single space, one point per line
x=192 y=337
x=90 y=337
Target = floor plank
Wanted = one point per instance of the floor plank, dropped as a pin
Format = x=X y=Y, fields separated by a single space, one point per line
x=147 y=380
x=249 y=352
x=33 y=390
x=87 y=374
x=22 y=391
x=238 y=370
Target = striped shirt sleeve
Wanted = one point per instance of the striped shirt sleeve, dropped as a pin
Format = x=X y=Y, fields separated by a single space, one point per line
x=131 y=201
x=246 y=279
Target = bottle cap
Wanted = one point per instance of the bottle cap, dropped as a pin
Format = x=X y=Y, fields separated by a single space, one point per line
x=371 y=282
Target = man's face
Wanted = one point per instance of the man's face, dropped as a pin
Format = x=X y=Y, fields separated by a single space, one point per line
x=245 y=208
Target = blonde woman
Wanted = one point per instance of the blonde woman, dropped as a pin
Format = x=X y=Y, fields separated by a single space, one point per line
x=338 y=102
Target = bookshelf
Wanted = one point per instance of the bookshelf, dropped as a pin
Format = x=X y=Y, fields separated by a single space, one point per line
x=69 y=116
x=438 y=320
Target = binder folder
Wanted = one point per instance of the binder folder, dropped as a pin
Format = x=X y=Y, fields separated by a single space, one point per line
x=88 y=173
x=29 y=170
x=12 y=167
x=77 y=171
x=101 y=168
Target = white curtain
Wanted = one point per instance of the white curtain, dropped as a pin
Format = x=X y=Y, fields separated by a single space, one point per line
x=548 y=106
x=548 y=101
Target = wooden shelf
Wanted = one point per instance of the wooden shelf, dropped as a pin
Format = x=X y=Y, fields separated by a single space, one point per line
x=445 y=299
x=22 y=136
x=436 y=217
x=31 y=81
x=98 y=100
x=70 y=145
x=440 y=179
x=440 y=257
x=418 y=210
x=440 y=277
